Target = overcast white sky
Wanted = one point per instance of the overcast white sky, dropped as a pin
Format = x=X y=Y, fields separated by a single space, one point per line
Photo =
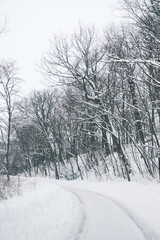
x=31 y=23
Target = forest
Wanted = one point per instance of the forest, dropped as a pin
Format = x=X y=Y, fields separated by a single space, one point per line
x=101 y=111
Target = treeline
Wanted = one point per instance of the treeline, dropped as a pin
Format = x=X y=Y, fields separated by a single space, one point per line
x=105 y=110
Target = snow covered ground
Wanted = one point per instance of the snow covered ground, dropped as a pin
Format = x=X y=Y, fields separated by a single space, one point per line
x=44 y=212
x=49 y=210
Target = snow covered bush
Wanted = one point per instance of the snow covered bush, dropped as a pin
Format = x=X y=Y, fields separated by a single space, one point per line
x=10 y=188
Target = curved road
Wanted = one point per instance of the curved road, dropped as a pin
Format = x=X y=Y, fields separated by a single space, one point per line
x=104 y=220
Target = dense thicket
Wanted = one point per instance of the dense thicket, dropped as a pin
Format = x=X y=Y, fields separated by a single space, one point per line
x=104 y=115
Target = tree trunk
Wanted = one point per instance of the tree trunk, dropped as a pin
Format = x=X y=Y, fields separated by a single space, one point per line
x=8 y=145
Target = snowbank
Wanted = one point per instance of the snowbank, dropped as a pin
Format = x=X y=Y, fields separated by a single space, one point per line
x=44 y=214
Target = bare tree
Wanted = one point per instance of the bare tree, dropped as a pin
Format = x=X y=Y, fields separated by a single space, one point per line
x=8 y=91
x=82 y=64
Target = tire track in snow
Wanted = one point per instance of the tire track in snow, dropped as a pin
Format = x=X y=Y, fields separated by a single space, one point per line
x=80 y=227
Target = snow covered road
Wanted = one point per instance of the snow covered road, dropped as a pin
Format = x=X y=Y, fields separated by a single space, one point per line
x=103 y=220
